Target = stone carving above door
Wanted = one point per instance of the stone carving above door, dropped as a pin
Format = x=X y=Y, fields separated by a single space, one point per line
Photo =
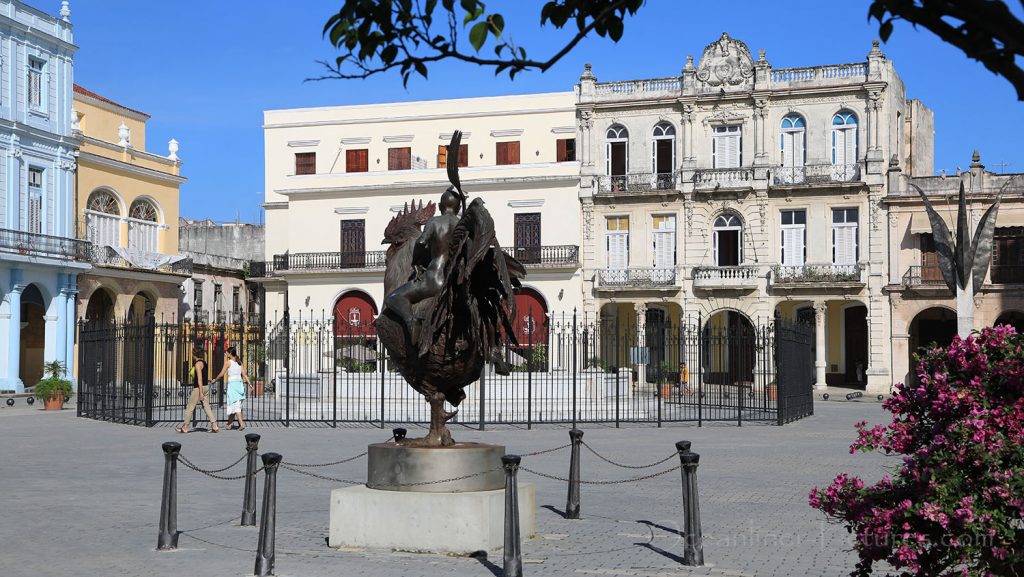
x=726 y=63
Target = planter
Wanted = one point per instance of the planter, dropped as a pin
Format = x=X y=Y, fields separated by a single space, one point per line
x=54 y=403
x=258 y=387
x=772 y=392
x=665 y=389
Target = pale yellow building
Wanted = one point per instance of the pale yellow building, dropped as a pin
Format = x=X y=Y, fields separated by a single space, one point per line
x=126 y=205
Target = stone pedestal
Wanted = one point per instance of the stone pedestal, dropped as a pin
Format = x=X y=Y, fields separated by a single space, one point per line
x=403 y=508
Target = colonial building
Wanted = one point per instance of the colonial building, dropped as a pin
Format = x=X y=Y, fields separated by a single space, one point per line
x=336 y=176
x=922 y=308
x=39 y=258
x=127 y=207
x=221 y=254
x=736 y=192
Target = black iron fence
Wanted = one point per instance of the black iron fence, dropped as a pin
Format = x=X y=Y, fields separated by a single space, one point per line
x=310 y=369
x=30 y=243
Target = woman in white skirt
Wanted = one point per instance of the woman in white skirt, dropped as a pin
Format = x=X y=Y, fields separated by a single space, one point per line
x=237 y=383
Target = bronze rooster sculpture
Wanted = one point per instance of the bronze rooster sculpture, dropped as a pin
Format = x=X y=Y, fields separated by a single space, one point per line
x=450 y=298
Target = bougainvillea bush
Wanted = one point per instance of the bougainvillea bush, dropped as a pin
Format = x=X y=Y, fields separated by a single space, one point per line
x=956 y=504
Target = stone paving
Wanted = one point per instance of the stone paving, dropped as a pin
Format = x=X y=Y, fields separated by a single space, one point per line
x=83 y=498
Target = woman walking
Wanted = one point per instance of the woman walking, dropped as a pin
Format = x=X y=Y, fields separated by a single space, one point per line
x=235 y=388
x=198 y=385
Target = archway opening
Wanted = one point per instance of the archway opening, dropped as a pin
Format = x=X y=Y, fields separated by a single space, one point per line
x=931 y=327
x=142 y=308
x=530 y=328
x=355 y=332
x=729 y=349
x=100 y=306
x=855 y=345
x=33 y=335
x=1013 y=318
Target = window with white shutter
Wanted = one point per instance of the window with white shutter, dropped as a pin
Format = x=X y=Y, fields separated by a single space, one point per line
x=792 y=142
x=844 y=145
x=617 y=242
x=726 y=240
x=35 y=200
x=36 y=84
x=844 y=237
x=103 y=219
x=664 y=245
x=794 y=240
x=616 y=151
x=725 y=147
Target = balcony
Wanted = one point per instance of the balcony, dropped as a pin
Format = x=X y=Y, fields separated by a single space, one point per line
x=260 y=269
x=924 y=277
x=726 y=277
x=817 y=275
x=32 y=244
x=812 y=174
x=716 y=178
x=819 y=75
x=637 y=89
x=554 y=256
x=330 y=261
x=637 y=278
x=109 y=256
x=1007 y=274
x=638 y=183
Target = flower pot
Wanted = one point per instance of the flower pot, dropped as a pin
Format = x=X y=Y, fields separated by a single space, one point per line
x=258 y=387
x=54 y=403
x=772 y=392
x=666 y=390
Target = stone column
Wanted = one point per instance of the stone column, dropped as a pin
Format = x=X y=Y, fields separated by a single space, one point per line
x=820 y=308
x=71 y=326
x=60 y=310
x=760 y=132
x=641 y=340
x=14 y=338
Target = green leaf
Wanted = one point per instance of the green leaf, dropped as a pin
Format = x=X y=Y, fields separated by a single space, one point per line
x=478 y=35
x=615 y=28
x=388 y=54
x=431 y=5
x=497 y=24
x=885 y=30
x=449 y=5
x=421 y=68
x=336 y=33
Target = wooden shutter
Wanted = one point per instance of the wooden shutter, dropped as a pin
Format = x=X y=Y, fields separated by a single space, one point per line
x=399 y=158
x=792 y=149
x=35 y=213
x=442 y=156
x=305 y=163
x=508 y=152
x=357 y=160
x=726 y=150
x=793 y=245
x=665 y=242
x=844 y=249
x=527 y=237
x=463 y=155
x=617 y=242
x=565 y=149
x=353 y=243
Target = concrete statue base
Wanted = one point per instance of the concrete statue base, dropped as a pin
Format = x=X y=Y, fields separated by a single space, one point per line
x=401 y=508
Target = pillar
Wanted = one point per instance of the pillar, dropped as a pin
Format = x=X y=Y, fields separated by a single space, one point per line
x=820 y=309
x=70 y=325
x=60 y=307
x=641 y=341
x=14 y=336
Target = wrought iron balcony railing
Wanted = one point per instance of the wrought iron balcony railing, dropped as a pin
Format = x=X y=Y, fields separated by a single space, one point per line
x=923 y=276
x=705 y=178
x=817 y=274
x=641 y=182
x=636 y=277
x=30 y=243
x=546 y=256
x=370 y=259
x=1007 y=274
x=106 y=255
x=260 y=269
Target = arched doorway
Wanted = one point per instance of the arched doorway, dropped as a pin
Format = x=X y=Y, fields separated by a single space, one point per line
x=531 y=322
x=142 y=308
x=935 y=326
x=100 y=306
x=33 y=335
x=1013 y=318
x=355 y=331
x=729 y=349
x=855 y=344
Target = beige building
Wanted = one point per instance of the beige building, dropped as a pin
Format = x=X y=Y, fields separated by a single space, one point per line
x=335 y=177
x=736 y=192
x=127 y=207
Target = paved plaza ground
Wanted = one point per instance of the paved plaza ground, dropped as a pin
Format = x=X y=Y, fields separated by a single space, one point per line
x=83 y=498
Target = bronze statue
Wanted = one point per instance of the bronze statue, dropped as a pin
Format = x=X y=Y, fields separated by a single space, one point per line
x=449 y=300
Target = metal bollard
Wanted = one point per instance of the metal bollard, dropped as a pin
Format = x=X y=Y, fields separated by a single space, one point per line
x=513 y=561
x=168 y=539
x=252 y=444
x=693 y=554
x=265 y=546
x=572 y=502
x=398 y=433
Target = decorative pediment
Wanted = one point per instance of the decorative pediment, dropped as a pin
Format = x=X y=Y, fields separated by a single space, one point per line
x=726 y=63
x=724 y=116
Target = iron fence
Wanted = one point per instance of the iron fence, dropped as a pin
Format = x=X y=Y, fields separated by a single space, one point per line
x=319 y=369
x=35 y=244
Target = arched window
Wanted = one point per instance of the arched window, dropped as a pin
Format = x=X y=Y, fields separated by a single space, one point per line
x=726 y=240
x=616 y=153
x=663 y=154
x=103 y=219
x=844 y=146
x=143 y=227
x=792 y=143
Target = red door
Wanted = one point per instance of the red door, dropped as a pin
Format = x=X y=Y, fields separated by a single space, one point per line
x=531 y=317
x=354 y=315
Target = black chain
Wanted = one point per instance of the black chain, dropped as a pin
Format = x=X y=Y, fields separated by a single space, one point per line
x=213 y=474
x=416 y=484
x=359 y=456
x=620 y=465
x=534 y=454
x=317 y=476
x=633 y=480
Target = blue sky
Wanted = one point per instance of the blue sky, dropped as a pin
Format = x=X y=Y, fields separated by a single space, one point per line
x=206 y=71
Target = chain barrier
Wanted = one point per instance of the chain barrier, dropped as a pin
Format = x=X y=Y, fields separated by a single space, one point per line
x=582 y=482
x=535 y=453
x=318 y=476
x=623 y=466
x=213 y=473
x=310 y=466
x=416 y=484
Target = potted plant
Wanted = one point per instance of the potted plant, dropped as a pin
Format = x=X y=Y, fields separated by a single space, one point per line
x=259 y=359
x=668 y=379
x=773 y=391
x=54 y=388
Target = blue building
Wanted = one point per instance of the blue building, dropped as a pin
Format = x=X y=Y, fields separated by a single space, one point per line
x=39 y=257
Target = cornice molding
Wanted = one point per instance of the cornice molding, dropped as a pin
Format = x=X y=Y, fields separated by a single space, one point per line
x=356 y=140
x=115 y=108
x=526 y=203
x=447 y=116
x=432 y=185
x=564 y=130
x=302 y=143
x=400 y=138
x=130 y=168
x=507 y=132
x=352 y=210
